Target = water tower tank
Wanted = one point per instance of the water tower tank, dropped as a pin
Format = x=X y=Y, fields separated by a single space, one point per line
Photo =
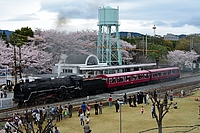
x=108 y=16
x=108 y=45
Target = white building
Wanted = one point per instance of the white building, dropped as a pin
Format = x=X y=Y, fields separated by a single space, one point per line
x=89 y=66
x=75 y=64
x=171 y=37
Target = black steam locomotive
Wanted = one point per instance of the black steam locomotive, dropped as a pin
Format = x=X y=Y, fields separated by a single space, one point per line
x=47 y=90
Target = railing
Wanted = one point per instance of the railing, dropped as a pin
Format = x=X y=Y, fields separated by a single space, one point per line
x=6 y=103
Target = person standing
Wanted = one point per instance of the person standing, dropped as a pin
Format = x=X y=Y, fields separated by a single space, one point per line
x=53 y=112
x=80 y=111
x=96 y=107
x=110 y=101
x=130 y=100
x=84 y=108
x=87 y=119
x=5 y=94
x=65 y=112
x=70 y=107
x=147 y=99
x=153 y=111
x=134 y=100
x=82 y=119
x=125 y=98
x=116 y=106
x=1 y=93
x=60 y=108
x=87 y=128
x=48 y=112
x=100 y=108
x=171 y=95
x=88 y=110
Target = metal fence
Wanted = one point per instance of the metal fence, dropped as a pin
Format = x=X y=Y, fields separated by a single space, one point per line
x=6 y=103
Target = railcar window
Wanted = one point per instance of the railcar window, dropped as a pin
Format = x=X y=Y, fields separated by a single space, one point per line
x=154 y=74
x=169 y=72
x=159 y=74
x=146 y=75
x=120 y=79
x=173 y=71
x=140 y=76
x=177 y=71
x=164 y=73
x=128 y=78
x=134 y=77
x=112 y=80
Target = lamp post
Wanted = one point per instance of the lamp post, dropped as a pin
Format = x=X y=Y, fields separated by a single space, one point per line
x=120 y=116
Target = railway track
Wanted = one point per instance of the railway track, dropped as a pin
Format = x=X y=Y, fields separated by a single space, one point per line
x=186 y=84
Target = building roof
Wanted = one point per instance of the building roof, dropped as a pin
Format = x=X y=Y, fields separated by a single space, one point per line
x=76 y=59
x=117 y=67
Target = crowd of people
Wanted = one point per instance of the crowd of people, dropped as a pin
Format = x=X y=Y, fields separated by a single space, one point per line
x=38 y=116
x=63 y=112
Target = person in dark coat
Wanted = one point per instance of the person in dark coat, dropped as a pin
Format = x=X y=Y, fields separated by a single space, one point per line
x=117 y=106
x=134 y=100
x=70 y=107
x=96 y=107
x=125 y=98
x=130 y=100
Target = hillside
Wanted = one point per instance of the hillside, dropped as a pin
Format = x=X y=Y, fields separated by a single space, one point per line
x=6 y=31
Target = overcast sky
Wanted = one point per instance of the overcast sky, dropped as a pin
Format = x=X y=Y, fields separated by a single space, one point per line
x=169 y=16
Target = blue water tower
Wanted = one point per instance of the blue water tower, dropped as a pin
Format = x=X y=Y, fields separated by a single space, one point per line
x=108 y=46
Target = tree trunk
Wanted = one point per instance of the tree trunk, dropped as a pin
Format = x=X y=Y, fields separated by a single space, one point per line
x=160 y=126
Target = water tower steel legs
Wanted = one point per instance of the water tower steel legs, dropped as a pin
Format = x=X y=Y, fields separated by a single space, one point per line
x=108 y=47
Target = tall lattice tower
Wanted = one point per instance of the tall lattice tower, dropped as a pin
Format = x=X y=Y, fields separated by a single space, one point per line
x=108 y=46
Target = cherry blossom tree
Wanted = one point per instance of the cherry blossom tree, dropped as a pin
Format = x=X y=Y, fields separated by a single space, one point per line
x=79 y=42
x=48 y=45
x=32 y=56
x=181 y=58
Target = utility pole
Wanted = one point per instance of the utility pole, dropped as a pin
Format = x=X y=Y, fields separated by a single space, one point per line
x=191 y=43
x=15 y=64
x=146 y=44
x=20 y=63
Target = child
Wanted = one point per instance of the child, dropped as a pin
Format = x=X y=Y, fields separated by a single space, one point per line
x=82 y=119
x=142 y=110
x=80 y=111
x=87 y=119
x=88 y=110
x=65 y=113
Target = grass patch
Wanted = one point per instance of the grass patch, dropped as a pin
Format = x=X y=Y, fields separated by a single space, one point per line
x=133 y=121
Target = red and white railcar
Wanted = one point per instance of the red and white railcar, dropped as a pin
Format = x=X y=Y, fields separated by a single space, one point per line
x=125 y=79
x=164 y=74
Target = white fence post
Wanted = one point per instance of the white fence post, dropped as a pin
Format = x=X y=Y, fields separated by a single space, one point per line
x=1 y=103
